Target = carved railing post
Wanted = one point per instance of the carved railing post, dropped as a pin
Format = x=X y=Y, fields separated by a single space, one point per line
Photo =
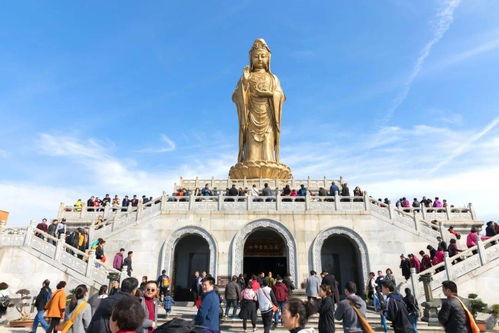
x=28 y=236
x=278 y=200
x=191 y=200
x=60 y=212
x=390 y=211
x=163 y=202
x=307 y=200
x=90 y=263
x=107 y=209
x=220 y=200
x=83 y=209
x=367 y=202
x=248 y=201
x=481 y=251
x=414 y=282
x=423 y=211
x=140 y=211
x=336 y=201
x=448 y=266
x=124 y=272
x=472 y=211
x=60 y=247
x=448 y=212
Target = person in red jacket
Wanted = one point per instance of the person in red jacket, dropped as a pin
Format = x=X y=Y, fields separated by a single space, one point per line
x=415 y=262
x=281 y=294
x=425 y=261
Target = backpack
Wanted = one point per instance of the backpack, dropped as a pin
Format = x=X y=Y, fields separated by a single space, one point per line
x=165 y=281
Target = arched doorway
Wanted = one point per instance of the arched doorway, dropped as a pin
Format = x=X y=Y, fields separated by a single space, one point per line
x=191 y=254
x=265 y=251
x=341 y=258
x=343 y=252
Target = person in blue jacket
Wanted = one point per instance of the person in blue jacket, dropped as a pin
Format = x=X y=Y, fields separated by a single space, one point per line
x=209 y=312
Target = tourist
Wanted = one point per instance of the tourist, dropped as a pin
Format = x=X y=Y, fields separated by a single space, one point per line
x=126 y=317
x=389 y=276
x=118 y=259
x=439 y=256
x=302 y=191
x=99 y=251
x=56 y=306
x=326 y=310
x=125 y=203
x=281 y=295
x=90 y=203
x=100 y=320
x=163 y=283
x=330 y=280
x=128 y=263
x=358 y=192
x=266 y=302
x=379 y=278
x=289 y=284
x=241 y=281
x=412 y=308
x=233 y=191
x=346 y=312
x=209 y=311
x=334 y=190
x=106 y=200
x=405 y=266
x=167 y=303
x=454 y=316
x=43 y=227
x=490 y=230
x=270 y=279
x=79 y=311
x=293 y=193
x=395 y=309
x=425 y=202
x=286 y=191
x=425 y=261
x=116 y=203
x=134 y=202
x=379 y=305
x=371 y=287
x=232 y=291
x=254 y=191
x=61 y=228
x=52 y=230
x=415 y=262
x=150 y=305
x=345 y=191
x=441 y=243
x=322 y=192
x=437 y=203
x=83 y=240
x=4 y=298
x=416 y=204
x=95 y=299
x=78 y=205
x=41 y=299
x=97 y=203
x=143 y=283
x=295 y=316
x=195 y=285
x=248 y=306
x=453 y=250
x=115 y=286
x=312 y=285
x=455 y=233
x=432 y=251
x=206 y=191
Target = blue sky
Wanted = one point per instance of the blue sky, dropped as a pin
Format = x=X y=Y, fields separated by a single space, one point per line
x=399 y=97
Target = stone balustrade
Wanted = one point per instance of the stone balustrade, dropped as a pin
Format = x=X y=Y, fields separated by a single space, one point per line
x=459 y=265
x=222 y=184
x=55 y=251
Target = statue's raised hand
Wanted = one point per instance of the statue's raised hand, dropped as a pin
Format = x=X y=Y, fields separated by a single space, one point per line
x=246 y=73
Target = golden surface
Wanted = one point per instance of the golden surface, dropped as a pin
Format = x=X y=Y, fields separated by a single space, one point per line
x=259 y=99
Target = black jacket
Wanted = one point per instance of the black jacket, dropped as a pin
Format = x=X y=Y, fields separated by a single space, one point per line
x=331 y=282
x=42 y=298
x=100 y=319
x=453 y=317
x=490 y=231
x=326 y=315
x=397 y=313
x=99 y=252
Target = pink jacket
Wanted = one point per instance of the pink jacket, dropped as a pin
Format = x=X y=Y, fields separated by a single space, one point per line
x=471 y=239
x=438 y=258
x=118 y=261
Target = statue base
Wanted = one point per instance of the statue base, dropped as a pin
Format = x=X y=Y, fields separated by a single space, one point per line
x=260 y=169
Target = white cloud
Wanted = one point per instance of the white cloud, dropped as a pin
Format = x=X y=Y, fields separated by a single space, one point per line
x=445 y=17
x=169 y=146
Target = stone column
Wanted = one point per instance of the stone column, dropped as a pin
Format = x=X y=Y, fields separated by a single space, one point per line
x=28 y=236
x=163 y=202
x=414 y=282
x=367 y=205
x=336 y=200
x=220 y=200
x=430 y=312
x=448 y=266
x=278 y=200
x=390 y=211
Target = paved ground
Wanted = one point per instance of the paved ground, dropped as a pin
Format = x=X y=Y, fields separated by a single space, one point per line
x=233 y=326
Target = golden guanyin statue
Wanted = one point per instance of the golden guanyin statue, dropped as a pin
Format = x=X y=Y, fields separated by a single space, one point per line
x=259 y=99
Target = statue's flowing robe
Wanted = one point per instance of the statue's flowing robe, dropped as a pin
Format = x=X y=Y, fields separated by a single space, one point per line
x=249 y=109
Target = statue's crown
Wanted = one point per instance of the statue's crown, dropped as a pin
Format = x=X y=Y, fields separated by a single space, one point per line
x=260 y=44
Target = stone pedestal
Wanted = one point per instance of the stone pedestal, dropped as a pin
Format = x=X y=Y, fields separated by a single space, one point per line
x=260 y=169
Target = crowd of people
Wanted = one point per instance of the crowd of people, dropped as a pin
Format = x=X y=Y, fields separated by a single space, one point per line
x=436 y=254
x=96 y=204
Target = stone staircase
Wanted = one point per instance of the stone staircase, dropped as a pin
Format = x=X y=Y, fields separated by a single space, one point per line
x=461 y=267
x=79 y=265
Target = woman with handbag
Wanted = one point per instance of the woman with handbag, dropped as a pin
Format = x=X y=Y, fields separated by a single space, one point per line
x=79 y=314
x=56 y=306
x=248 y=306
x=267 y=304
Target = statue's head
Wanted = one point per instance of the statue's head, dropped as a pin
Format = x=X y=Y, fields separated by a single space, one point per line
x=260 y=55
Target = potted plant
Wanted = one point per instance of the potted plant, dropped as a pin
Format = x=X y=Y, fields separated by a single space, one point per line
x=494 y=311
x=20 y=304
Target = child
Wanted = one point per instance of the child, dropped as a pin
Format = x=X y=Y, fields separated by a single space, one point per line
x=167 y=302
x=127 y=316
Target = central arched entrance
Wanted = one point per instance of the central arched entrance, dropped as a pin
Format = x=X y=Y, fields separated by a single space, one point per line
x=265 y=251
